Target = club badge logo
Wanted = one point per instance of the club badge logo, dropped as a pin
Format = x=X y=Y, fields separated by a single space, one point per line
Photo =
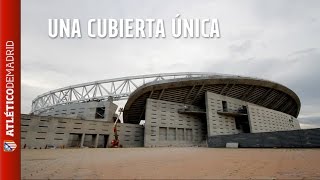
x=9 y=146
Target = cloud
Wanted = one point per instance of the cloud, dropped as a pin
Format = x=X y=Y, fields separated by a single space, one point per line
x=298 y=71
x=309 y=122
x=240 y=48
x=273 y=40
x=28 y=94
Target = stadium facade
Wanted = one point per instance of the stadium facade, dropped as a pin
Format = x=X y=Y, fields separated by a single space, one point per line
x=179 y=109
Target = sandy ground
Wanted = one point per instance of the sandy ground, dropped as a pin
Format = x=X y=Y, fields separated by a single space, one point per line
x=174 y=163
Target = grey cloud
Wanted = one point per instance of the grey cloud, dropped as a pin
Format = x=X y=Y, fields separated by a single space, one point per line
x=240 y=48
x=288 y=10
x=275 y=40
x=300 y=73
x=310 y=122
x=304 y=51
x=28 y=94
x=44 y=66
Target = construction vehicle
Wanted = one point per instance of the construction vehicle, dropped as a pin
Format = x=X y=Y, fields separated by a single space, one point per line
x=115 y=143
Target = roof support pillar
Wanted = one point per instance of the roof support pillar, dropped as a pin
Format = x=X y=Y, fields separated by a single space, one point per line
x=161 y=94
x=185 y=100
x=229 y=90
x=224 y=88
x=195 y=97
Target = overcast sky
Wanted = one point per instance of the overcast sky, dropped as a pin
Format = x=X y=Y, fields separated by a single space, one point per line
x=274 y=40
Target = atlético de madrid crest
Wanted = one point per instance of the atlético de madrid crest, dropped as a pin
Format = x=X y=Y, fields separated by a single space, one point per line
x=9 y=146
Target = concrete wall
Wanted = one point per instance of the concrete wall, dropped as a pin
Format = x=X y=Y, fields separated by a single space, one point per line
x=164 y=126
x=268 y=120
x=308 y=138
x=221 y=124
x=261 y=119
x=85 y=110
x=39 y=131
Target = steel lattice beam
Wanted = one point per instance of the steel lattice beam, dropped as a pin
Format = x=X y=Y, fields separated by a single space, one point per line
x=118 y=88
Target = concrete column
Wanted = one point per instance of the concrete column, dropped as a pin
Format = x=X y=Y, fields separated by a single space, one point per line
x=82 y=139
x=96 y=140
x=167 y=134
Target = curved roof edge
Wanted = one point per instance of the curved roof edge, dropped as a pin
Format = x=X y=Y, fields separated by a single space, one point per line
x=211 y=79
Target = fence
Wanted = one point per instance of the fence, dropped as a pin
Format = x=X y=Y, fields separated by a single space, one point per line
x=304 y=138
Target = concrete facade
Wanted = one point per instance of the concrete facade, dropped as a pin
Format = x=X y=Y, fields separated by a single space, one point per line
x=100 y=110
x=260 y=119
x=177 y=112
x=165 y=126
x=219 y=124
x=268 y=120
x=40 y=131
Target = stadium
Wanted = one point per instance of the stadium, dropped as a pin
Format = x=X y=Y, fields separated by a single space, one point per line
x=161 y=110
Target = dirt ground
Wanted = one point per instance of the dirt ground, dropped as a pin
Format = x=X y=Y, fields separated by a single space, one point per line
x=173 y=163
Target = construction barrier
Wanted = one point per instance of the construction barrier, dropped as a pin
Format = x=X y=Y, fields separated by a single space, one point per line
x=304 y=138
